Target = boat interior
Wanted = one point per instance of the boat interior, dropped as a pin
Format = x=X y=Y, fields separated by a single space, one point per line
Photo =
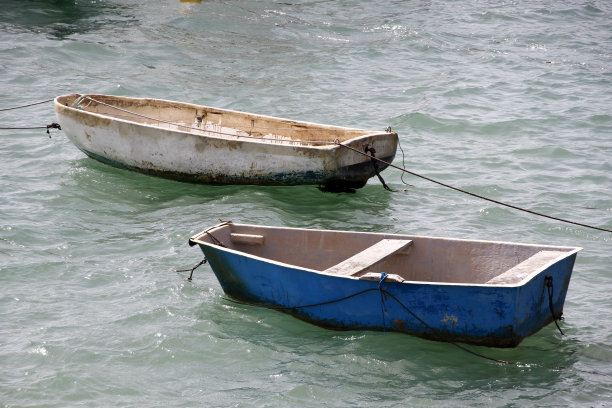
x=403 y=257
x=207 y=120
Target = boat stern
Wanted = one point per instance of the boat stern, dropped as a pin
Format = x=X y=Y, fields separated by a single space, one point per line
x=359 y=159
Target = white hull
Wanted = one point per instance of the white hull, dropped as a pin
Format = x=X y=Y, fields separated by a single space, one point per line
x=208 y=145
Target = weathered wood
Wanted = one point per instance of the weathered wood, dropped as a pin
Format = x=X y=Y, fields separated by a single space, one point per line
x=208 y=145
x=525 y=268
x=332 y=278
x=368 y=257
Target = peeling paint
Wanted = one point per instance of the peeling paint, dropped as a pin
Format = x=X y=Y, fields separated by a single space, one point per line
x=450 y=319
x=280 y=152
x=399 y=324
x=287 y=272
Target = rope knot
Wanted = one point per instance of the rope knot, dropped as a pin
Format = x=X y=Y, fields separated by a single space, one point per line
x=383 y=276
x=202 y=262
x=53 y=125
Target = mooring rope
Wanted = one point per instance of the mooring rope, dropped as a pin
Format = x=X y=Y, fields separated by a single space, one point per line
x=22 y=127
x=53 y=125
x=383 y=292
x=371 y=156
x=323 y=142
x=202 y=262
x=383 y=297
x=399 y=144
x=50 y=126
x=549 y=288
x=25 y=106
x=474 y=194
x=75 y=104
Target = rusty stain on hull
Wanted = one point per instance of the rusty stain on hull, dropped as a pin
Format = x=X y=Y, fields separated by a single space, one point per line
x=209 y=145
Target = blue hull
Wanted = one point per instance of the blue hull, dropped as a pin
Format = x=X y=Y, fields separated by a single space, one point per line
x=496 y=316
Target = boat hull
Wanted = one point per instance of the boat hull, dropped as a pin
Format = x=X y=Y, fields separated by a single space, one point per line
x=184 y=155
x=482 y=314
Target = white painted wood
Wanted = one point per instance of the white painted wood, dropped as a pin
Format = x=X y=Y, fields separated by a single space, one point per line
x=210 y=145
x=527 y=267
x=247 y=239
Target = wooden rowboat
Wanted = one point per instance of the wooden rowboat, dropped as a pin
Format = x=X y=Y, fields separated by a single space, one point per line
x=208 y=145
x=480 y=292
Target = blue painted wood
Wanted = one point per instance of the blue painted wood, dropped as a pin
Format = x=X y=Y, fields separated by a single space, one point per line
x=496 y=316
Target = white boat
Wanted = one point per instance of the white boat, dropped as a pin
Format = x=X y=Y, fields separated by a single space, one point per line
x=208 y=145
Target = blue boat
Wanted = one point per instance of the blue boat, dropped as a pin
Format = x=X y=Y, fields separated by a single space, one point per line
x=479 y=292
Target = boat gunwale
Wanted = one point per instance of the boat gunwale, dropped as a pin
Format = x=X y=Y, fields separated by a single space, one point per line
x=570 y=251
x=296 y=143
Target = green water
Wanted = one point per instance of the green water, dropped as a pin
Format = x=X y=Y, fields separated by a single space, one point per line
x=509 y=100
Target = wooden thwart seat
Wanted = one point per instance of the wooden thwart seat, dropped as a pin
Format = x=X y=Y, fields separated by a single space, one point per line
x=369 y=256
x=525 y=268
x=247 y=239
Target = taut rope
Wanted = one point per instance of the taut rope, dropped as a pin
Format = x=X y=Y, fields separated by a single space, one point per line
x=474 y=194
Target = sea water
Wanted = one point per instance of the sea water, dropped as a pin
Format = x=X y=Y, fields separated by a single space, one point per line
x=510 y=100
